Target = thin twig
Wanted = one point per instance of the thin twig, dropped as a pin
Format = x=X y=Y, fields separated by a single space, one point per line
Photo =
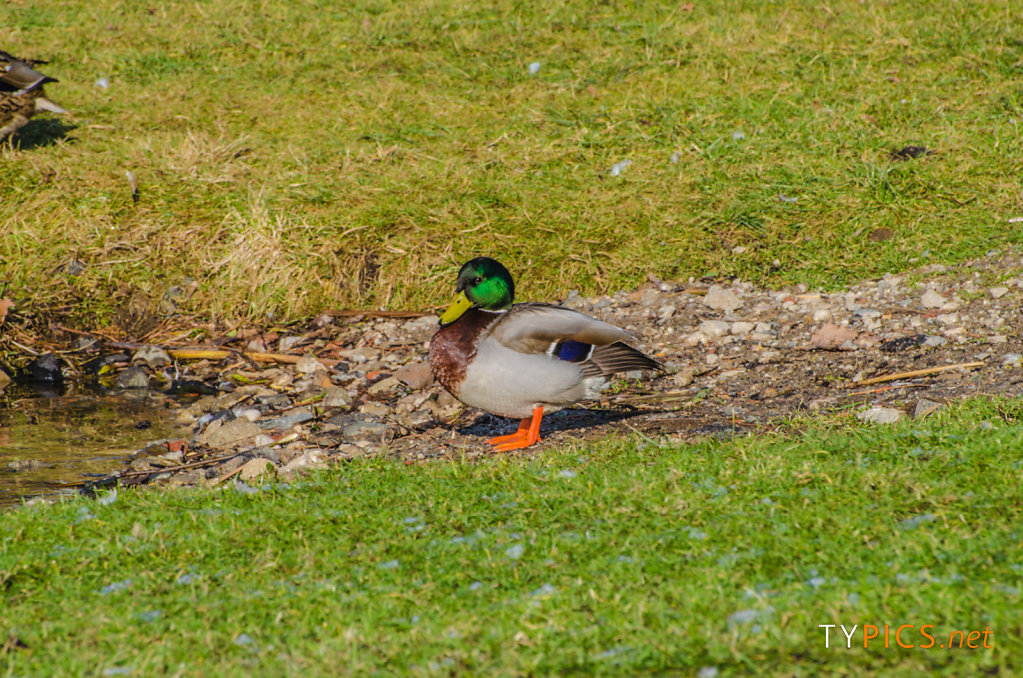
x=230 y=475
x=219 y=354
x=370 y=313
x=180 y=467
x=25 y=348
x=121 y=475
x=917 y=373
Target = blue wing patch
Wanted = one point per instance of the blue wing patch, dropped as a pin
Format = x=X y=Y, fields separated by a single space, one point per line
x=571 y=351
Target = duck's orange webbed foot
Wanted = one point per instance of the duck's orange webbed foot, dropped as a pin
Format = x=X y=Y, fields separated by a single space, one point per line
x=523 y=427
x=528 y=434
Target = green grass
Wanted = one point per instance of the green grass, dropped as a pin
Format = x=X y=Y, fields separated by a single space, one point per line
x=295 y=156
x=615 y=559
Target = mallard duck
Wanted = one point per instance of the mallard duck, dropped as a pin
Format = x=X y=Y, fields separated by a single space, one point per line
x=21 y=93
x=523 y=359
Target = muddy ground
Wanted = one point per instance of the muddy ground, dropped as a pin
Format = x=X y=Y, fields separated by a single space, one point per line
x=738 y=359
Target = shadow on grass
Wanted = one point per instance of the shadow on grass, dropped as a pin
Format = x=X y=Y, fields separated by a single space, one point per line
x=41 y=133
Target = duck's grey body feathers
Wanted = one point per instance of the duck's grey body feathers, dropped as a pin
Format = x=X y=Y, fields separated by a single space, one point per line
x=536 y=355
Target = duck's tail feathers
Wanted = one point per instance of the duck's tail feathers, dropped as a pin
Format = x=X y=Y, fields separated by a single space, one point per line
x=618 y=357
x=44 y=104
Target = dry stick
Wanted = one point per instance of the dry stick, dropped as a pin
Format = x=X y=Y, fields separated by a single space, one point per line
x=230 y=475
x=134 y=474
x=369 y=313
x=181 y=467
x=220 y=354
x=210 y=354
x=917 y=373
x=24 y=348
x=93 y=333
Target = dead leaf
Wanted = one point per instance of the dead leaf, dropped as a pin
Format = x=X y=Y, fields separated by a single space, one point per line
x=5 y=305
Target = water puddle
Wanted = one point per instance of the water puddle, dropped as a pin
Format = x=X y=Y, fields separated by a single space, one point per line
x=49 y=441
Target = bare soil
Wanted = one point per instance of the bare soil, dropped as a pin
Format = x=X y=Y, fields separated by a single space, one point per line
x=738 y=360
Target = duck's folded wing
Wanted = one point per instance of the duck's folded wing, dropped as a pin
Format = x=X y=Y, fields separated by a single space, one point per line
x=535 y=328
x=563 y=334
x=17 y=74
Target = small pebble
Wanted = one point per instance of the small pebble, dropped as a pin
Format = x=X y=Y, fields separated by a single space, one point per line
x=932 y=299
x=881 y=415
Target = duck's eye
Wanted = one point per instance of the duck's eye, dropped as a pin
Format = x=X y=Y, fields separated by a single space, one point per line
x=477 y=280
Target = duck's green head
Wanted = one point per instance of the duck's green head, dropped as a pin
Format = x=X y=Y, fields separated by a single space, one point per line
x=483 y=283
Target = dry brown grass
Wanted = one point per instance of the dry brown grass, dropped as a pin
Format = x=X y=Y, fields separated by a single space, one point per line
x=292 y=156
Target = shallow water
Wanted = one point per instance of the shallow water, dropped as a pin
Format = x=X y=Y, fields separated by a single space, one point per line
x=72 y=438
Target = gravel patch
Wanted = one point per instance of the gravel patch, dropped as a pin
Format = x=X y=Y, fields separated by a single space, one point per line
x=738 y=359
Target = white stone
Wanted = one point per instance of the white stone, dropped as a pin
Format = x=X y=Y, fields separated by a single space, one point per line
x=336 y=397
x=304 y=462
x=998 y=292
x=714 y=328
x=254 y=468
x=822 y=316
x=235 y=432
x=308 y=364
x=286 y=343
x=384 y=386
x=741 y=328
x=684 y=377
x=154 y=356
x=932 y=299
x=881 y=415
x=722 y=299
x=696 y=338
x=375 y=409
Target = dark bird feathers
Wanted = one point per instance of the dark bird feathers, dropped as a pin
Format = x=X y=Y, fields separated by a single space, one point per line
x=21 y=93
x=618 y=357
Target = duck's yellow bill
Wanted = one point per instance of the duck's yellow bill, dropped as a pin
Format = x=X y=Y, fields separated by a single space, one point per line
x=460 y=305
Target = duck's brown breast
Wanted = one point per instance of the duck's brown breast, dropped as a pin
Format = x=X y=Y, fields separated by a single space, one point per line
x=452 y=348
x=21 y=104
